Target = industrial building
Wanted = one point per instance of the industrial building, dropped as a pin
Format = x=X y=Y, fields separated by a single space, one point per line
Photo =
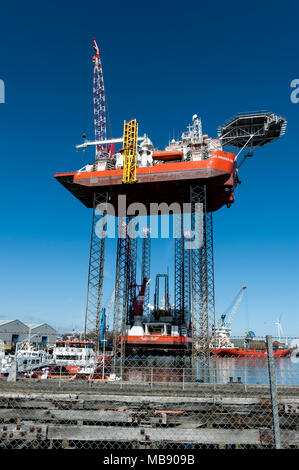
x=42 y=334
x=14 y=331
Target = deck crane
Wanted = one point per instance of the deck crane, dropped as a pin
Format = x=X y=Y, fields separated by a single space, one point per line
x=99 y=104
x=138 y=305
x=234 y=309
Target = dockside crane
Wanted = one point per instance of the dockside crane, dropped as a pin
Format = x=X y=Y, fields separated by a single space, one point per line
x=221 y=333
x=234 y=310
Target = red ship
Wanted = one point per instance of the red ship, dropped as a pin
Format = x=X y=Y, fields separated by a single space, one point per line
x=236 y=352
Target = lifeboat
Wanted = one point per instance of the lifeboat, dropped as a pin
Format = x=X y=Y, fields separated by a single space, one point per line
x=167 y=155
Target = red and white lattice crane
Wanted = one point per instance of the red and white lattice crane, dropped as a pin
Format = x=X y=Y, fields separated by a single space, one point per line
x=99 y=104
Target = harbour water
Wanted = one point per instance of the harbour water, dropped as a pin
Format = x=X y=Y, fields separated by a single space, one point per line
x=247 y=370
x=254 y=370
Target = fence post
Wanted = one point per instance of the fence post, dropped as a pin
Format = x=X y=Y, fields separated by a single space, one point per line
x=273 y=391
x=12 y=376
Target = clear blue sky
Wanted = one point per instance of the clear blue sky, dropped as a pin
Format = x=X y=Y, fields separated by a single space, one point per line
x=163 y=62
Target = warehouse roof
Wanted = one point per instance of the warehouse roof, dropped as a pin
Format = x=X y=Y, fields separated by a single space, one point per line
x=34 y=325
x=37 y=325
x=3 y=322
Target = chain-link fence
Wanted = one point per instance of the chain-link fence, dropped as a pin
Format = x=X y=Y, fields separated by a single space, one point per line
x=152 y=401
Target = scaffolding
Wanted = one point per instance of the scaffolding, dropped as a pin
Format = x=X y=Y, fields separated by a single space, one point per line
x=130 y=151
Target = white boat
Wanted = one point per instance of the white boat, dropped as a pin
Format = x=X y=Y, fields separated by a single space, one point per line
x=26 y=359
x=74 y=353
x=79 y=357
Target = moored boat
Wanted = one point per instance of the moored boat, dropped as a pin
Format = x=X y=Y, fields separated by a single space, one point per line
x=78 y=358
x=26 y=360
x=241 y=352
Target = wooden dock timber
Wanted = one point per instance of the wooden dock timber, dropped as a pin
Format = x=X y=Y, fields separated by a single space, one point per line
x=40 y=414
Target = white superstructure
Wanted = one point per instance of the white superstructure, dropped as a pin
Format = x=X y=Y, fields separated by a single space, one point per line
x=193 y=144
x=74 y=353
x=26 y=359
x=221 y=337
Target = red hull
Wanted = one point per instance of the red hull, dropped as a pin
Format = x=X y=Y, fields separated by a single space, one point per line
x=233 y=352
x=159 y=183
x=159 y=341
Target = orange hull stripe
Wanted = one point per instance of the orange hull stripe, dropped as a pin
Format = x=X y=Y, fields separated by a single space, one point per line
x=219 y=160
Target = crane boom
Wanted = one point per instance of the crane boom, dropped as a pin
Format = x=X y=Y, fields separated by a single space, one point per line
x=139 y=302
x=236 y=306
x=99 y=103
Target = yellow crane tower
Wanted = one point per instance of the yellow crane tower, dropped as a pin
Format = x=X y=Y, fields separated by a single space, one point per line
x=130 y=151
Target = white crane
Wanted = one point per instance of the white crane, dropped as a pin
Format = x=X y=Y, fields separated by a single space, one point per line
x=221 y=334
x=234 y=309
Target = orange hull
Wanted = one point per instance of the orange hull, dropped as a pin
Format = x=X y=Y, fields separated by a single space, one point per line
x=232 y=352
x=159 y=182
x=219 y=162
x=159 y=341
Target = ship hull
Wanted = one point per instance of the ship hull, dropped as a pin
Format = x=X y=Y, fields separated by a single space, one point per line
x=159 y=341
x=232 y=352
x=167 y=182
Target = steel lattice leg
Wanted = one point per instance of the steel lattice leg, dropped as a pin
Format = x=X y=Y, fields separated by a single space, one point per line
x=131 y=267
x=203 y=304
x=96 y=269
x=182 y=274
x=146 y=267
x=120 y=302
x=178 y=269
x=125 y=283
x=187 y=284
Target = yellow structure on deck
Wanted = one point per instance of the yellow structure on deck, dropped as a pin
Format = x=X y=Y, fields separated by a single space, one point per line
x=130 y=151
